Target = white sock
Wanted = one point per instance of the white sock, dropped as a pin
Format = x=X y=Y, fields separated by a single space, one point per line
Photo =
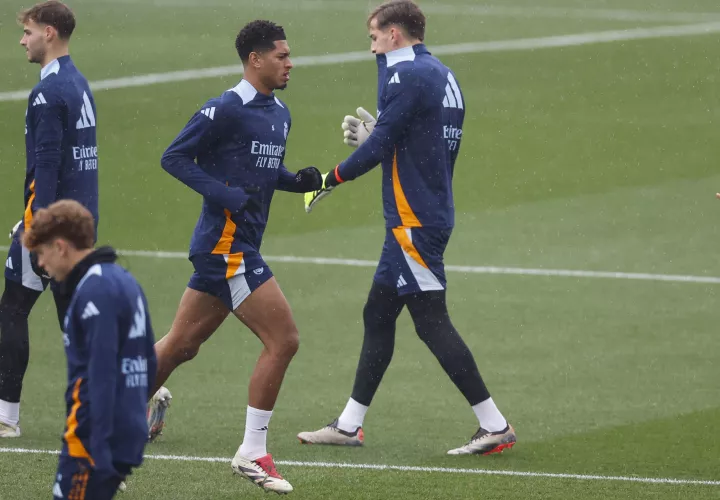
x=352 y=416
x=254 y=443
x=9 y=413
x=489 y=416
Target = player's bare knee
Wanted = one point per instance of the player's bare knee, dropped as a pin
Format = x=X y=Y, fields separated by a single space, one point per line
x=180 y=350
x=290 y=344
x=188 y=353
x=285 y=346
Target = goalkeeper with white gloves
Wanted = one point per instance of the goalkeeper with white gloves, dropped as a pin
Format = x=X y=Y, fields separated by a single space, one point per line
x=416 y=138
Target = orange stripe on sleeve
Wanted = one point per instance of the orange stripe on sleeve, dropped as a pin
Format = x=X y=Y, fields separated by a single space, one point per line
x=407 y=216
x=28 y=216
x=75 y=447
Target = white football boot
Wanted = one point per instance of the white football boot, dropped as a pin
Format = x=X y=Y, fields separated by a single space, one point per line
x=9 y=431
x=261 y=472
x=332 y=434
x=157 y=407
x=486 y=443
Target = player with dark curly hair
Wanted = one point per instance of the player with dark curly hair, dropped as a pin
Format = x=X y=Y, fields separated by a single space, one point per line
x=239 y=141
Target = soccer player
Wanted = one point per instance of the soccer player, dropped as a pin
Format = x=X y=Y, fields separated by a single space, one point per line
x=416 y=138
x=61 y=149
x=238 y=140
x=110 y=355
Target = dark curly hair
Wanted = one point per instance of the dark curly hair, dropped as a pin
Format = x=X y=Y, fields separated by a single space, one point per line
x=258 y=36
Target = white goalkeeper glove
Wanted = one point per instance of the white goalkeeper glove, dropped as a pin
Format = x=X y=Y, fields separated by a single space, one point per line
x=357 y=130
x=14 y=229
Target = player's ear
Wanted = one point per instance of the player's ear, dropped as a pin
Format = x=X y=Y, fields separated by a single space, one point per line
x=254 y=59
x=50 y=33
x=62 y=246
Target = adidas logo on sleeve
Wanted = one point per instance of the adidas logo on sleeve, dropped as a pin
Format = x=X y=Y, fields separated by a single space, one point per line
x=90 y=311
x=453 y=97
x=209 y=112
x=40 y=99
x=87 y=115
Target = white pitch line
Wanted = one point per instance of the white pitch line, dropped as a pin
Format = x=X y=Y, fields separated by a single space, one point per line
x=518 y=271
x=453 y=49
x=409 y=468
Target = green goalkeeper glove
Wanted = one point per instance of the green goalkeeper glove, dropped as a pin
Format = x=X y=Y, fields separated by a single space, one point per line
x=329 y=181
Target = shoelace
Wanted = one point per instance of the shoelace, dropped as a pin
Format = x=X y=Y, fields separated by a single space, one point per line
x=479 y=434
x=269 y=467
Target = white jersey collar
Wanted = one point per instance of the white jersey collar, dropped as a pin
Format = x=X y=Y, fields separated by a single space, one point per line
x=245 y=90
x=52 y=67
x=400 y=55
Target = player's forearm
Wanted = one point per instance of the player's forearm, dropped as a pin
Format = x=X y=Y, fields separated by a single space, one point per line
x=102 y=380
x=48 y=136
x=364 y=159
x=287 y=181
x=305 y=180
x=187 y=171
x=101 y=428
x=47 y=172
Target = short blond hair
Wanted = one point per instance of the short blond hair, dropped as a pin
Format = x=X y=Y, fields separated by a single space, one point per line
x=51 y=13
x=404 y=13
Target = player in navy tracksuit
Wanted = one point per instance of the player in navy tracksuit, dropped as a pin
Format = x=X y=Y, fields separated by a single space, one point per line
x=416 y=139
x=61 y=150
x=111 y=361
x=238 y=141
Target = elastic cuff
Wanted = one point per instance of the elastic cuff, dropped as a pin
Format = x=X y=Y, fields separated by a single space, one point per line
x=333 y=178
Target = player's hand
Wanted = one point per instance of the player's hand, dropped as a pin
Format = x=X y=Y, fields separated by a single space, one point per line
x=357 y=130
x=15 y=229
x=313 y=197
x=309 y=179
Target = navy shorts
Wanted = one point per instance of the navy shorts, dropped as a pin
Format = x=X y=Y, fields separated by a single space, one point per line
x=231 y=278
x=19 y=269
x=412 y=259
x=76 y=480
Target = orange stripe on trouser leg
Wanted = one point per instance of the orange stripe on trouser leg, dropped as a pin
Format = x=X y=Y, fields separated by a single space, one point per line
x=85 y=479
x=79 y=486
x=406 y=244
x=234 y=261
x=75 y=447
x=75 y=486
x=228 y=236
x=407 y=216
x=28 y=216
